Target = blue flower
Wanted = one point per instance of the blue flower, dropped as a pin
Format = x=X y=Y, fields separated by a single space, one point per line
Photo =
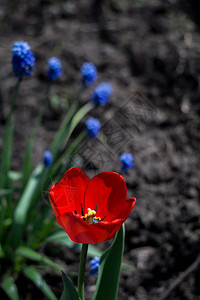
x=89 y=73
x=48 y=158
x=93 y=127
x=55 y=68
x=23 y=59
x=102 y=93
x=94 y=265
x=127 y=161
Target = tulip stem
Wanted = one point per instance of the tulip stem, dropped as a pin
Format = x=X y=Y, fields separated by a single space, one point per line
x=82 y=271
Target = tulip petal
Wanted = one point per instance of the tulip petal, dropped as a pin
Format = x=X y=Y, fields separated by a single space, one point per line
x=81 y=232
x=77 y=229
x=75 y=193
x=127 y=208
x=107 y=190
x=68 y=194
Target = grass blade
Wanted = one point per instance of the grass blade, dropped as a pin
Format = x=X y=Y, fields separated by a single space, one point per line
x=38 y=280
x=4 y=192
x=60 y=135
x=14 y=175
x=77 y=118
x=71 y=149
x=35 y=256
x=10 y=288
x=6 y=153
x=24 y=204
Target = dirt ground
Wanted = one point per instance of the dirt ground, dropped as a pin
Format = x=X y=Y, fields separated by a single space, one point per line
x=149 y=51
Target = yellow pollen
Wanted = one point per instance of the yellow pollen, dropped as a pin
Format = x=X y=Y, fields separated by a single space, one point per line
x=89 y=216
x=91 y=213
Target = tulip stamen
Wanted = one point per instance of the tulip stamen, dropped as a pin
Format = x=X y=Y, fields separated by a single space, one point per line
x=95 y=208
x=75 y=212
x=103 y=218
x=82 y=211
x=90 y=217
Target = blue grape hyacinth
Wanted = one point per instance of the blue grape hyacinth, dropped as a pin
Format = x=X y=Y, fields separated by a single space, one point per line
x=127 y=161
x=94 y=265
x=23 y=59
x=55 y=68
x=89 y=73
x=93 y=127
x=48 y=158
x=102 y=93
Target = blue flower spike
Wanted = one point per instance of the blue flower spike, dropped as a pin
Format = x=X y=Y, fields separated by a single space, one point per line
x=48 y=158
x=23 y=59
x=94 y=265
x=127 y=161
x=93 y=127
x=55 y=68
x=102 y=93
x=89 y=73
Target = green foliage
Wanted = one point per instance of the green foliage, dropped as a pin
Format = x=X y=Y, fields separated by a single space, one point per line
x=69 y=291
x=58 y=102
x=35 y=256
x=109 y=269
x=6 y=154
x=26 y=221
x=9 y=287
x=61 y=237
x=38 y=280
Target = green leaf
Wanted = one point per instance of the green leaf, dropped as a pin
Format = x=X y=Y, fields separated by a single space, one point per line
x=25 y=200
x=34 y=255
x=94 y=251
x=69 y=292
x=61 y=133
x=34 y=275
x=2 y=254
x=109 y=269
x=24 y=205
x=14 y=175
x=57 y=102
x=42 y=227
x=128 y=267
x=27 y=163
x=71 y=149
x=10 y=288
x=6 y=153
x=2 y=216
x=62 y=238
x=4 y=192
x=77 y=118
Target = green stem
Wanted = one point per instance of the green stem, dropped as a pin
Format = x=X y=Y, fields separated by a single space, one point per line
x=82 y=271
x=14 y=96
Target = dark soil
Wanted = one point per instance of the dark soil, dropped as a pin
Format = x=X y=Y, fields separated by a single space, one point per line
x=150 y=52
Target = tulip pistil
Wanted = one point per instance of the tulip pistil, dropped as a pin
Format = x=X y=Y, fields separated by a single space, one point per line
x=90 y=217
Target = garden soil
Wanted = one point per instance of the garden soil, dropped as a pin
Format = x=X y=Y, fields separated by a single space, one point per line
x=150 y=52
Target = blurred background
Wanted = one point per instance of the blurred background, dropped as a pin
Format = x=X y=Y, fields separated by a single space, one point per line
x=149 y=51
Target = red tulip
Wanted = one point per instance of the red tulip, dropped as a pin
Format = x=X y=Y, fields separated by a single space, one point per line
x=90 y=211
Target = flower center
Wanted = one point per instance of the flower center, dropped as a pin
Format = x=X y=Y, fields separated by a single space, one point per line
x=90 y=217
